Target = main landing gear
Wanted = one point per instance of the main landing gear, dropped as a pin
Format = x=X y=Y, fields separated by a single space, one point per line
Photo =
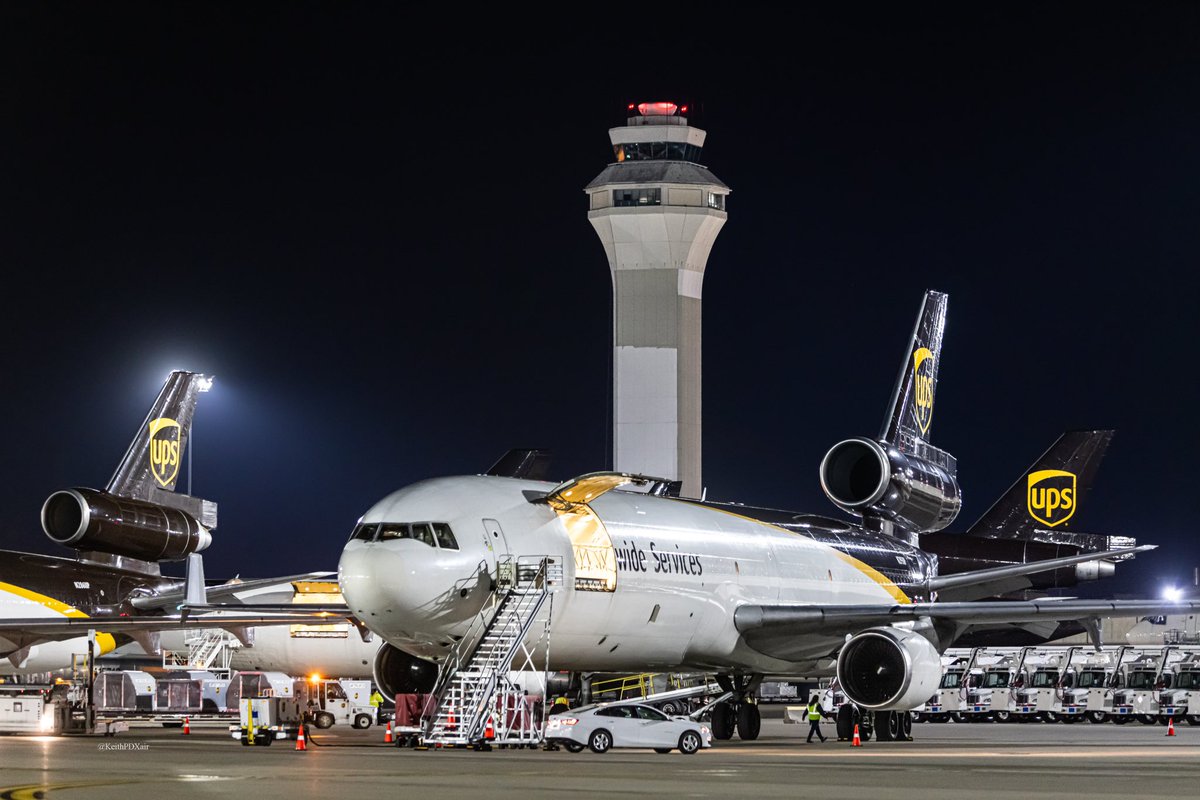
x=741 y=712
x=885 y=726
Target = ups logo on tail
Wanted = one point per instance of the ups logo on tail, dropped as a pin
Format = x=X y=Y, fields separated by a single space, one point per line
x=923 y=388
x=164 y=451
x=1052 y=496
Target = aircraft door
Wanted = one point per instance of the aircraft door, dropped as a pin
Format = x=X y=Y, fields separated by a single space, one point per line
x=496 y=543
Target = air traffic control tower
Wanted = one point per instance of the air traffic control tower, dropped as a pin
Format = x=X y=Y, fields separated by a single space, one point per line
x=657 y=212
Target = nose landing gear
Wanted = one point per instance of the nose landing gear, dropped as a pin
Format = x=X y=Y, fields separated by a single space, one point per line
x=740 y=712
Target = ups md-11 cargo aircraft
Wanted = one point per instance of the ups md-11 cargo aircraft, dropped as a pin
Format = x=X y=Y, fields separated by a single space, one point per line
x=113 y=592
x=655 y=582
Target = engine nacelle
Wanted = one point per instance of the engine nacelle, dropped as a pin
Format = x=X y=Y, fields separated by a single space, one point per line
x=89 y=520
x=397 y=672
x=864 y=477
x=886 y=669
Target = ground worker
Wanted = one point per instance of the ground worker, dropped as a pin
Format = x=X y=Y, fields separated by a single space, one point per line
x=560 y=705
x=814 y=718
x=376 y=699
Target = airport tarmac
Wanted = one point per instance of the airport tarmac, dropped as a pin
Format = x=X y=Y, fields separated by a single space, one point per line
x=946 y=761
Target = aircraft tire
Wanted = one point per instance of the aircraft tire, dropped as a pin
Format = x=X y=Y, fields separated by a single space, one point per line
x=847 y=717
x=906 y=722
x=722 y=721
x=749 y=722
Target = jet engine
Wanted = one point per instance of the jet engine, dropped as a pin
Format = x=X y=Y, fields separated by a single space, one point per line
x=865 y=478
x=396 y=672
x=89 y=520
x=888 y=668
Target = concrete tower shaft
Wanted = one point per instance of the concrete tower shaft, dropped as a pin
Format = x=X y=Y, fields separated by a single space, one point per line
x=657 y=212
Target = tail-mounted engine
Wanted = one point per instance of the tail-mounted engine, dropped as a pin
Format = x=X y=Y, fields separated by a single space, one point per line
x=886 y=669
x=918 y=493
x=90 y=520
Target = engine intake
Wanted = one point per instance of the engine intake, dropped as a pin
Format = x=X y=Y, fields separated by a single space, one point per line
x=397 y=672
x=865 y=477
x=888 y=668
x=89 y=520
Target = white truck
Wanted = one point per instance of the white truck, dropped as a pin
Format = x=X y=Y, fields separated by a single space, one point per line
x=330 y=702
x=1138 y=684
x=1182 y=700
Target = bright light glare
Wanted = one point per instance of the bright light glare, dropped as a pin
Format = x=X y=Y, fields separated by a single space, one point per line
x=1173 y=593
x=315 y=677
x=204 y=383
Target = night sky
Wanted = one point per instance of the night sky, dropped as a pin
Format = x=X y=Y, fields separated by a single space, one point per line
x=370 y=227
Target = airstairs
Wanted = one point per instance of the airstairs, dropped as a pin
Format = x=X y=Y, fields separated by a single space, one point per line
x=477 y=704
x=209 y=650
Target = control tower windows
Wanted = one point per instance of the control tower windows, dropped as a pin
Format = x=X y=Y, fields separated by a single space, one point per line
x=656 y=151
x=637 y=197
x=716 y=200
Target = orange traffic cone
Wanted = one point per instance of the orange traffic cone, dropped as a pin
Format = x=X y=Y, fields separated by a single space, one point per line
x=857 y=741
x=1170 y=726
x=387 y=736
x=300 y=743
x=187 y=726
x=489 y=730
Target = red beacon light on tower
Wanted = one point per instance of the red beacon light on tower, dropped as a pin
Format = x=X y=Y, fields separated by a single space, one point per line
x=658 y=109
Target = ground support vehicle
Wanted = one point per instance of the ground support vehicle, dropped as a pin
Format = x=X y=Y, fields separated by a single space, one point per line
x=1182 y=700
x=262 y=720
x=330 y=702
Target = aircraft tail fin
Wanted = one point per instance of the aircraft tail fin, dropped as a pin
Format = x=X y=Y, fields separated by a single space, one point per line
x=910 y=414
x=1049 y=493
x=153 y=462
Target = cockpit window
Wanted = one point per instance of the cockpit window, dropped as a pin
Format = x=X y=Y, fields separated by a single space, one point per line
x=445 y=536
x=434 y=534
x=364 y=532
x=422 y=533
x=391 y=530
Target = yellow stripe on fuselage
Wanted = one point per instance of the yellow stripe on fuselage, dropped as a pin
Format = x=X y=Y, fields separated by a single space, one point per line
x=887 y=584
x=104 y=641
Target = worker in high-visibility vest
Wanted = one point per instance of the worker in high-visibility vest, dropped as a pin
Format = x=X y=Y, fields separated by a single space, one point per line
x=376 y=699
x=814 y=718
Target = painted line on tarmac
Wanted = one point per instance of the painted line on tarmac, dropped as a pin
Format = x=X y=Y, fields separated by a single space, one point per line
x=1081 y=752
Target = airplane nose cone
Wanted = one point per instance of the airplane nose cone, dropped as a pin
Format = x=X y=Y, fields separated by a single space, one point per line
x=408 y=590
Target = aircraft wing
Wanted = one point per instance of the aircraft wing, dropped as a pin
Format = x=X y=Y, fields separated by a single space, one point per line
x=46 y=629
x=773 y=629
x=172 y=598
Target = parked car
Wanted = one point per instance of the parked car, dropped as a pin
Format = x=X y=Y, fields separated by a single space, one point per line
x=626 y=725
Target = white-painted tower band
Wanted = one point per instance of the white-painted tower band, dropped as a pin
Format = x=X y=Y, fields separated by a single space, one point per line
x=657 y=211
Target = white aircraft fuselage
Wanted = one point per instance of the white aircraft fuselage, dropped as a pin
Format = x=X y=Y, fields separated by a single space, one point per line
x=649 y=582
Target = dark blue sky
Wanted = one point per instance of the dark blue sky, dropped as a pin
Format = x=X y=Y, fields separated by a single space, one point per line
x=370 y=227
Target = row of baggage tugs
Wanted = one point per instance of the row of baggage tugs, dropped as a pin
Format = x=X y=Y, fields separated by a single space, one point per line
x=1152 y=685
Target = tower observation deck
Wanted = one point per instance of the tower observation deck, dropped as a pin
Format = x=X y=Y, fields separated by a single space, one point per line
x=657 y=212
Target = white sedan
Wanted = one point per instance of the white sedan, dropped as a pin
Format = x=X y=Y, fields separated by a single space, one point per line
x=625 y=725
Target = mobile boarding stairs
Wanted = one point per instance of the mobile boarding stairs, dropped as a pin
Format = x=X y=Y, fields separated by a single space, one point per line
x=476 y=702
